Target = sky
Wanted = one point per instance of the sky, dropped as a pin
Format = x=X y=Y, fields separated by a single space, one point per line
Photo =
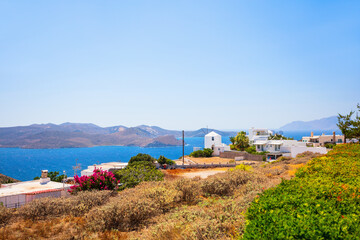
x=178 y=64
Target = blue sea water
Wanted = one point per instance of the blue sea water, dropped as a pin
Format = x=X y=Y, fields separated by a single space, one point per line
x=25 y=164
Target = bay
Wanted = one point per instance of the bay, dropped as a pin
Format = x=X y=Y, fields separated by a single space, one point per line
x=25 y=164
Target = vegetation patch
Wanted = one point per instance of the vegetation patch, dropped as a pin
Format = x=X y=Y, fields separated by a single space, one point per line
x=321 y=202
x=207 y=152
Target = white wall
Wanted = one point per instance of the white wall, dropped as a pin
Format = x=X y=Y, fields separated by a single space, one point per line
x=297 y=150
x=13 y=201
x=212 y=140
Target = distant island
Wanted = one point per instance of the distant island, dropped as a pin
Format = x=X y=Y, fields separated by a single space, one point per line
x=76 y=135
x=323 y=124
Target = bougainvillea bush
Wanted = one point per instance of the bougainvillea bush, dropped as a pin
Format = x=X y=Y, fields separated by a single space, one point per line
x=321 y=202
x=100 y=180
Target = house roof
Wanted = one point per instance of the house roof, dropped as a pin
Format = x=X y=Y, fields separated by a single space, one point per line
x=30 y=187
x=212 y=134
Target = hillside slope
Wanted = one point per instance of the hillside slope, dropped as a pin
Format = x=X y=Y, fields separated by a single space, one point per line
x=6 y=179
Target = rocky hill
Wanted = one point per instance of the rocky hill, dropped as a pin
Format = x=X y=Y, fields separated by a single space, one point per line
x=70 y=135
x=6 y=179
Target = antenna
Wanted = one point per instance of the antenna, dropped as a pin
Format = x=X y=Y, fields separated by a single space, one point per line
x=76 y=167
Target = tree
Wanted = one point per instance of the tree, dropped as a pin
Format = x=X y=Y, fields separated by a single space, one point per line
x=232 y=140
x=356 y=124
x=241 y=141
x=143 y=158
x=344 y=124
x=132 y=175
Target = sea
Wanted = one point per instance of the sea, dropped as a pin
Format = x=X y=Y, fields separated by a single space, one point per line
x=25 y=164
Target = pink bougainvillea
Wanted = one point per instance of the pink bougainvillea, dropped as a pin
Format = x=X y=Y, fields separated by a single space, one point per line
x=100 y=180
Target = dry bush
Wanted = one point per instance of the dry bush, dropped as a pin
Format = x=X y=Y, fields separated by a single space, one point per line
x=225 y=183
x=212 y=218
x=74 y=205
x=133 y=207
x=82 y=202
x=189 y=188
x=55 y=229
x=5 y=215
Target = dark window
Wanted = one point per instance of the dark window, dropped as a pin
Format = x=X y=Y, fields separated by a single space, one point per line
x=212 y=138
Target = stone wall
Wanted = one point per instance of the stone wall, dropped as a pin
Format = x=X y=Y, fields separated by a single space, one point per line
x=245 y=155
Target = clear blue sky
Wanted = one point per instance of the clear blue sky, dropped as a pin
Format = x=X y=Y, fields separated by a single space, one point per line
x=178 y=64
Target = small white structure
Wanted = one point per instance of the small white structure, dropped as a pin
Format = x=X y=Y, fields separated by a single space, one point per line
x=213 y=141
x=14 y=195
x=258 y=134
x=110 y=166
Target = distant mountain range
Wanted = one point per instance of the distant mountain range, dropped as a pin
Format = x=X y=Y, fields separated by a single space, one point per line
x=70 y=135
x=323 y=124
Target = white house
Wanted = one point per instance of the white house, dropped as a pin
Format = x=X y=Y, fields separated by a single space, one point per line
x=257 y=134
x=14 y=195
x=289 y=148
x=212 y=140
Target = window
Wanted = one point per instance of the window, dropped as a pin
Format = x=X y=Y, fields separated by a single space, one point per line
x=212 y=138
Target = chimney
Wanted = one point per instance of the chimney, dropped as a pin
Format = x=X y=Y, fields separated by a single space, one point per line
x=44 y=177
x=334 y=138
x=312 y=134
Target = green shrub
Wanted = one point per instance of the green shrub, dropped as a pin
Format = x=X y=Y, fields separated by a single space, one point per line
x=141 y=157
x=242 y=167
x=251 y=149
x=54 y=176
x=330 y=145
x=321 y=202
x=207 y=152
x=163 y=160
x=136 y=173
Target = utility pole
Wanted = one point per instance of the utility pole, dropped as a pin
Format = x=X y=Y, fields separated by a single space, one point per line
x=76 y=167
x=183 y=143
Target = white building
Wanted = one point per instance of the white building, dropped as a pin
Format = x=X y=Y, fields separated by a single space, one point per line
x=289 y=148
x=257 y=134
x=110 y=166
x=14 y=195
x=212 y=140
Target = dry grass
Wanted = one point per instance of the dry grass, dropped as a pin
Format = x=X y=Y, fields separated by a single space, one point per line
x=210 y=160
x=52 y=207
x=177 y=208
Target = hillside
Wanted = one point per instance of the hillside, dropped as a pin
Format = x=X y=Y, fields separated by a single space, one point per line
x=176 y=208
x=70 y=135
x=6 y=179
x=324 y=124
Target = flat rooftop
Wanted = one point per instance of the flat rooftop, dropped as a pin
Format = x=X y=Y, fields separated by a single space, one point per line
x=29 y=187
